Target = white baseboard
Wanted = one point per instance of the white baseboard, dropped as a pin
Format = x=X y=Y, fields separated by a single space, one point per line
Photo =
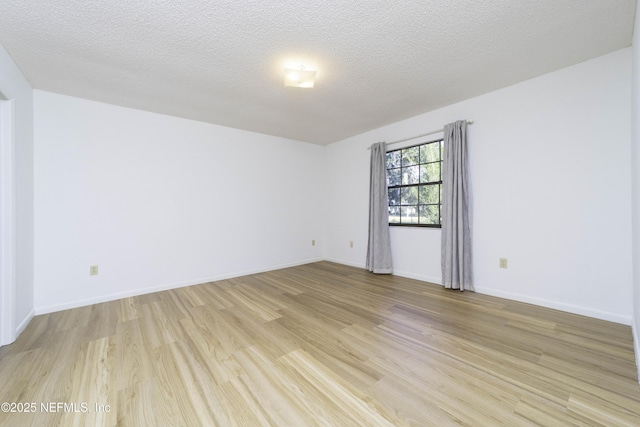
x=25 y=322
x=163 y=287
x=429 y=279
x=584 y=311
x=436 y=280
x=350 y=264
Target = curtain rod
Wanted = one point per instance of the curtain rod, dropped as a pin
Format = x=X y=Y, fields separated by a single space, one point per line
x=419 y=136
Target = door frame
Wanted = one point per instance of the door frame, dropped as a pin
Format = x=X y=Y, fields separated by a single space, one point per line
x=7 y=221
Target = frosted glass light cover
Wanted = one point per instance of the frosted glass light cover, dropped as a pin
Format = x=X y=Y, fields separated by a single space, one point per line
x=299 y=77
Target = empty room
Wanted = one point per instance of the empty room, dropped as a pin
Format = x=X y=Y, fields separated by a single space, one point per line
x=337 y=213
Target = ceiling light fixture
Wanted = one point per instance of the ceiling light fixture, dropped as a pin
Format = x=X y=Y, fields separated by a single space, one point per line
x=299 y=77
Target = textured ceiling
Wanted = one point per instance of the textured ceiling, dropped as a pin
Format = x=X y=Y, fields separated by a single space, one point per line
x=378 y=61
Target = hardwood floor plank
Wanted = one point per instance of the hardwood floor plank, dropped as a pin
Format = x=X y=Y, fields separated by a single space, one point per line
x=136 y=406
x=257 y=289
x=335 y=389
x=320 y=344
x=93 y=385
x=269 y=388
x=198 y=397
x=333 y=351
x=129 y=309
x=102 y=321
x=541 y=412
x=131 y=356
x=219 y=298
x=241 y=406
x=223 y=336
x=193 y=295
x=163 y=320
x=251 y=306
x=602 y=413
x=411 y=407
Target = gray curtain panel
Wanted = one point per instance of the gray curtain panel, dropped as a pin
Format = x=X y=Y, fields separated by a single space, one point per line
x=379 y=246
x=456 y=209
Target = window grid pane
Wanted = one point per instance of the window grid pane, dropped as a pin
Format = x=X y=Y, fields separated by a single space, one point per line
x=411 y=156
x=414 y=181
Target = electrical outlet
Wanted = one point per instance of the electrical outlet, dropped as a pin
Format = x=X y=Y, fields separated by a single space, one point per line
x=313 y=243
x=503 y=263
x=351 y=244
x=93 y=270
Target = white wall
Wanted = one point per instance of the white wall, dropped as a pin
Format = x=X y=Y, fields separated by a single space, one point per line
x=551 y=183
x=159 y=202
x=635 y=168
x=15 y=88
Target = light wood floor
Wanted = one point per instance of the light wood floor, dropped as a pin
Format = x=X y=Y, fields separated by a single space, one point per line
x=320 y=344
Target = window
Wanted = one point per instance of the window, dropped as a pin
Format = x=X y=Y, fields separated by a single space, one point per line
x=414 y=181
